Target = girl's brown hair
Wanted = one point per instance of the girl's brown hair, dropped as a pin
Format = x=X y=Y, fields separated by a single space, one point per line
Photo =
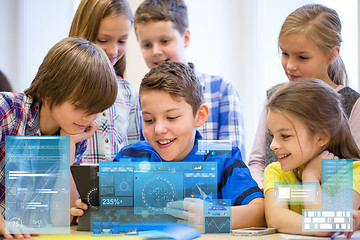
x=87 y=20
x=319 y=107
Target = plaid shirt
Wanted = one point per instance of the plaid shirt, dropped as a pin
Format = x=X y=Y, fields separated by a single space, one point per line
x=225 y=120
x=18 y=114
x=118 y=126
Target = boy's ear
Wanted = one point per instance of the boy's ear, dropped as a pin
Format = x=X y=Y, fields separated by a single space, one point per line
x=322 y=138
x=45 y=100
x=187 y=37
x=201 y=115
x=334 y=54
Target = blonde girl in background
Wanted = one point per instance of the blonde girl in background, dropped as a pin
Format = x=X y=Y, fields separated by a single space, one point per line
x=309 y=40
x=304 y=132
x=107 y=23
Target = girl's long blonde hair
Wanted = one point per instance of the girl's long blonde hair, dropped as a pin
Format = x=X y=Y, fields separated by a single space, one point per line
x=87 y=20
x=323 y=26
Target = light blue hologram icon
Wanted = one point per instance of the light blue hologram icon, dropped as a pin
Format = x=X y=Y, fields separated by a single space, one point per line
x=140 y=192
x=217 y=216
x=295 y=193
x=336 y=198
x=155 y=190
x=37 y=183
x=219 y=148
x=337 y=184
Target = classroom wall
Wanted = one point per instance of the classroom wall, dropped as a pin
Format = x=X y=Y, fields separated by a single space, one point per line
x=9 y=45
x=28 y=30
x=236 y=39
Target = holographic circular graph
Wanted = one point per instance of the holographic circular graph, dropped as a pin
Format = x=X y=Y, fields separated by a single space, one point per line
x=157 y=192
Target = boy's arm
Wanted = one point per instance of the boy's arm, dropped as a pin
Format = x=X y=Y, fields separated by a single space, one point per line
x=250 y=215
x=75 y=139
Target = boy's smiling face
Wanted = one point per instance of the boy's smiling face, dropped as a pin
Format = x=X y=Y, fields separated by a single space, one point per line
x=169 y=124
x=65 y=116
x=160 y=42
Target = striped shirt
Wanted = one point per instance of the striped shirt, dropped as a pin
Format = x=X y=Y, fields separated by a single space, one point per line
x=118 y=126
x=225 y=120
x=20 y=115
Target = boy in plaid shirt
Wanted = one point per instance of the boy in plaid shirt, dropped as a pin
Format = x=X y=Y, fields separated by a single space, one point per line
x=162 y=30
x=64 y=99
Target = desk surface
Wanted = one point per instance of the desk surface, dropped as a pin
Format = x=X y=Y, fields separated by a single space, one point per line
x=79 y=235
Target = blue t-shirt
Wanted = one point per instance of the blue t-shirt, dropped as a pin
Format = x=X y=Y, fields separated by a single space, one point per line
x=234 y=178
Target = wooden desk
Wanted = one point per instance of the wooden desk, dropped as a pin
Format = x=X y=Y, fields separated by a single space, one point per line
x=79 y=235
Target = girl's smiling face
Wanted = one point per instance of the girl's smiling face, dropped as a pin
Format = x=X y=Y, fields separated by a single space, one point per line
x=292 y=142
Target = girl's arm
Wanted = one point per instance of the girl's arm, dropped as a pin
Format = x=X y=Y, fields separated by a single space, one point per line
x=283 y=219
x=356 y=214
x=312 y=173
x=250 y=215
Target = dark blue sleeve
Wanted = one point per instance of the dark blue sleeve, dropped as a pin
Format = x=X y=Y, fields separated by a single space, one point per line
x=80 y=148
x=118 y=156
x=236 y=182
x=136 y=152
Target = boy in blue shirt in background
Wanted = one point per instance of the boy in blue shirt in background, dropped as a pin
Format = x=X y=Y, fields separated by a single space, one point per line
x=162 y=30
x=171 y=99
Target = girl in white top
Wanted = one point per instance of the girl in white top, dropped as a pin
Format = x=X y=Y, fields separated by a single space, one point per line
x=310 y=40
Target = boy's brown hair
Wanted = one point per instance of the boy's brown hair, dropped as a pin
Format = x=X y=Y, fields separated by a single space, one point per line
x=78 y=71
x=87 y=20
x=178 y=80
x=163 y=10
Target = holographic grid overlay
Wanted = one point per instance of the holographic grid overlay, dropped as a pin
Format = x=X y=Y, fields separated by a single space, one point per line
x=37 y=183
x=219 y=148
x=336 y=198
x=138 y=192
x=295 y=193
x=217 y=216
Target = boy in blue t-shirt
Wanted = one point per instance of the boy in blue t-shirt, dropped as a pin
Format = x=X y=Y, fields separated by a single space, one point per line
x=171 y=98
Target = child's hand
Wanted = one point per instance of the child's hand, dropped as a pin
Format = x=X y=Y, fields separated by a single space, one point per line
x=89 y=131
x=79 y=208
x=313 y=168
x=19 y=231
x=190 y=211
x=356 y=223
